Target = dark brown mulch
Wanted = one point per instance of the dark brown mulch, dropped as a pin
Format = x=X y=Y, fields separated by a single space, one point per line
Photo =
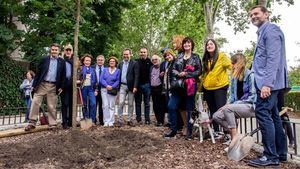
x=137 y=147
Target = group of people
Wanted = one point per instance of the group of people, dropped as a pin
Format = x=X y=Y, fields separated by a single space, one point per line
x=173 y=84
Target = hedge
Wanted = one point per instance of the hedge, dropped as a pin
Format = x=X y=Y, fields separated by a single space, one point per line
x=11 y=76
x=292 y=99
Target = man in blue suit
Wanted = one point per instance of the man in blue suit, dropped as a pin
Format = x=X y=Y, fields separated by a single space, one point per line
x=270 y=73
x=49 y=82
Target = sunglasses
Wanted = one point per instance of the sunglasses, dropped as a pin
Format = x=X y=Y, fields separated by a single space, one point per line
x=68 y=50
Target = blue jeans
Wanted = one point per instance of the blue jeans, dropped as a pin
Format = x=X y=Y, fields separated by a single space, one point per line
x=143 y=90
x=273 y=137
x=173 y=108
x=28 y=104
x=89 y=111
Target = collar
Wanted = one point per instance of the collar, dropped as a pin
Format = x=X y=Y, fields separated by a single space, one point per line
x=261 y=28
x=53 y=57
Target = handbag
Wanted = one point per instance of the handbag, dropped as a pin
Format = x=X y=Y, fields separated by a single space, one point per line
x=113 y=92
x=177 y=84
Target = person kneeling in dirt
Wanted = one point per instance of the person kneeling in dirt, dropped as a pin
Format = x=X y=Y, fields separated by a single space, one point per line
x=48 y=82
x=241 y=100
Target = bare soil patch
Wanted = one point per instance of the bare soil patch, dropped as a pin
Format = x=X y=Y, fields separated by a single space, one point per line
x=136 y=147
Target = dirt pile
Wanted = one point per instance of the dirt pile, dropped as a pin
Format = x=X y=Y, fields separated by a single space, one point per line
x=137 y=147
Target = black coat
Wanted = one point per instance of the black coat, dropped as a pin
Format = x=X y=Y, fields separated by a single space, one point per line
x=132 y=75
x=43 y=70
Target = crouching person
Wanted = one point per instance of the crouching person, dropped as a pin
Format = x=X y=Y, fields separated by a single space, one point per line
x=48 y=82
x=242 y=97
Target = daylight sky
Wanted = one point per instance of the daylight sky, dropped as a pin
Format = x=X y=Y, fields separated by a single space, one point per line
x=289 y=24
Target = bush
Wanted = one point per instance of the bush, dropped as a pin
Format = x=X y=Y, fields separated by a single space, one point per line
x=11 y=76
x=292 y=100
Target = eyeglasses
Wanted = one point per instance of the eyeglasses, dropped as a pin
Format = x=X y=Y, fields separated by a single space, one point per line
x=68 y=50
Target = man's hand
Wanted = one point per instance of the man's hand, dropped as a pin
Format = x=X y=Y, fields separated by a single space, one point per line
x=96 y=93
x=162 y=74
x=134 y=90
x=265 y=92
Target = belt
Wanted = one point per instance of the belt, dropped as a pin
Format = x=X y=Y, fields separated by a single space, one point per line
x=49 y=82
x=123 y=83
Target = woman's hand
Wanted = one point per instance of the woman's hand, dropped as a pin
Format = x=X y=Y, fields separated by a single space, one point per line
x=108 y=87
x=182 y=74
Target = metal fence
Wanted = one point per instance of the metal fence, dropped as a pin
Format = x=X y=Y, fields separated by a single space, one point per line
x=247 y=125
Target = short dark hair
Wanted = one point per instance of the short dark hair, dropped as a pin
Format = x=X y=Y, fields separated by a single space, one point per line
x=261 y=7
x=130 y=51
x=54 y=44
x=188 y=39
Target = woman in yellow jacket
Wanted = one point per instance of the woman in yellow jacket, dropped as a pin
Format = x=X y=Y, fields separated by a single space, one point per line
x=215 y=78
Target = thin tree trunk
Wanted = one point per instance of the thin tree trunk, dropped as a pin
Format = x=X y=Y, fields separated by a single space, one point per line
x=75 y=59
x=262 y=2
x=208 y=21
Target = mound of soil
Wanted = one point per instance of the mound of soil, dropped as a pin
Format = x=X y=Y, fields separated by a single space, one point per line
x=136 y=147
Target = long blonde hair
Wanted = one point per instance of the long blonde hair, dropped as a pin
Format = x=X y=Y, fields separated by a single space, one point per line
x=239 y=62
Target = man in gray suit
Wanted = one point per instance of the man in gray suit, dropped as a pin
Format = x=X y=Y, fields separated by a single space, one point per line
x=129 y=83
x=270 y=73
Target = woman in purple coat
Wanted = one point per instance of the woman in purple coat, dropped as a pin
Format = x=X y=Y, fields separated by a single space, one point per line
x=110 y=81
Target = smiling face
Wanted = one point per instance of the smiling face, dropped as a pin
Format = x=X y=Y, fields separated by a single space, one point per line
x=54 y=51
x=68 y=52
x=155 y=60
x=87 y=61
x=112 y=63
x=28 y=76
x=100 y=61
x=143 y=53
x=169 y=57
x=126 y=55
x=210 y=46
x=187 y=46
x=258 y=17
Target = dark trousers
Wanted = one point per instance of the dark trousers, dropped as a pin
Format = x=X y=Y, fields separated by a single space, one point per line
x=273 y=137
x=158 y=106
x=173 y=106
x=215 y=99
x=100 y=110
x=285 y=118
x=143 y=90
x=66 y=106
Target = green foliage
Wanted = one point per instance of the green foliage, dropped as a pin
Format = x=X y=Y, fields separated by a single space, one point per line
x=9 y=35
x=11 y=76
x=152 y=24
x=294 y=77
x=50 y=21
x=292 y=100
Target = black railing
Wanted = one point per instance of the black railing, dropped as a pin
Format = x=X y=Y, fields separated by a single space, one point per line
x=249 y=124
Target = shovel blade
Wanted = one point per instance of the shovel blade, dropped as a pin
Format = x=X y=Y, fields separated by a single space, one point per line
x=240 y=147
x=86 y=124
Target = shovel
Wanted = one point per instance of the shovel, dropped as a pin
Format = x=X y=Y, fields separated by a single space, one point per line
x=241 y=146
x=86 y=124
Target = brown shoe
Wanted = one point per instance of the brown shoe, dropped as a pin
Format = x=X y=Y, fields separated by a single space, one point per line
x=29 y=127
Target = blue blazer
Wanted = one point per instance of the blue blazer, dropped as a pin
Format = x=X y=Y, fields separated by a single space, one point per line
x=43 y=70
x=269 y=62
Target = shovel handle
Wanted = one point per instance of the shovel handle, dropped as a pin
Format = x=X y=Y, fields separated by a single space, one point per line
x=254 y=131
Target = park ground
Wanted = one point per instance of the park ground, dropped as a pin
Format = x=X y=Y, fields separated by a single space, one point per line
x=127 y=147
